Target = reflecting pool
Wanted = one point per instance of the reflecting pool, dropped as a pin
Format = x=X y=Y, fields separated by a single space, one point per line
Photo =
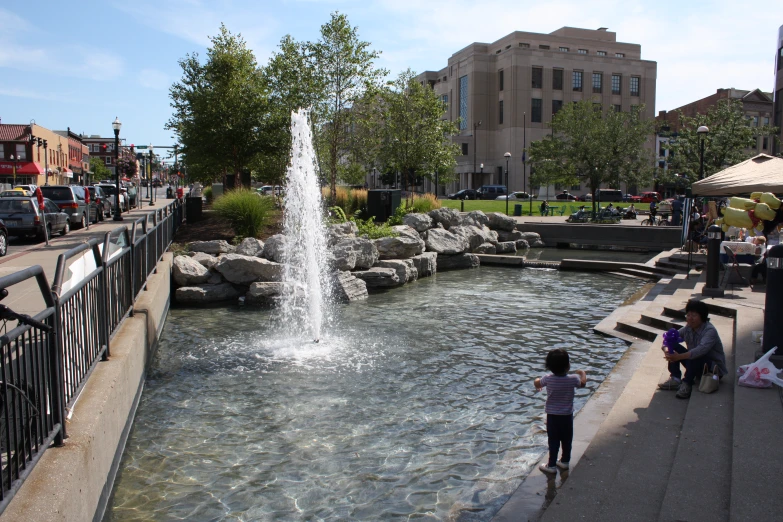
x=417 y=403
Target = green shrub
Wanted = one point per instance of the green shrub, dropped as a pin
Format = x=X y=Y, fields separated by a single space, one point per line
x=207 y=193
x=247 y=212
x=368 y=228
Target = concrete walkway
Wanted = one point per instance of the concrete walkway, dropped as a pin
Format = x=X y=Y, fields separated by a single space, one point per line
x=641 y=454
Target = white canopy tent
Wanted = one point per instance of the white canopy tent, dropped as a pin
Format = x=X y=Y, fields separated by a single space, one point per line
x=762 y=173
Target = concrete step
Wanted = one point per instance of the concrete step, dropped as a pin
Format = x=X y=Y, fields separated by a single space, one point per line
x=661 y=322
x=643 y=274
x=677 y=309
x=637 y=329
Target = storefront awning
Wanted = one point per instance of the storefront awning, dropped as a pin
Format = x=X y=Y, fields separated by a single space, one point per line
x=68 y=173
x=28 y=167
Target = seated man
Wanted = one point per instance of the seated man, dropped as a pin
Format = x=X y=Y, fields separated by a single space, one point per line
x=544 y=208
x=703 y=347
x=578 y=215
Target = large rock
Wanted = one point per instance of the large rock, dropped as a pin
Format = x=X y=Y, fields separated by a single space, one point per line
x=426 y=264
x=451 y=262
x=506 y=247
x=264 y=293
x=403 y=246
x=274 y=248
x=338 y=231
x=211 y=247
x=348 y=287
x=485 y=248
x=533 y=239
x=498 y=221
x=405 y=230
x=522 y=244
x=475 y=218
x=448 y=217
x=444 y=242
x=187 y=272
x=205 y=294
x=205 y=259
x=505 y=235
x=364 y=249
x=250 y=246
x=475 y=236
x=343 y=259
x=243 y=270
x=405 y=269
x=378 y=277
x=418 y=222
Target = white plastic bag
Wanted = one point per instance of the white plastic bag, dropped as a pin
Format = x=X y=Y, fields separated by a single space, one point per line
x=760 y=374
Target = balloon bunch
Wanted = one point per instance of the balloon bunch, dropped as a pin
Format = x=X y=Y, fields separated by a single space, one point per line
x=759 y=214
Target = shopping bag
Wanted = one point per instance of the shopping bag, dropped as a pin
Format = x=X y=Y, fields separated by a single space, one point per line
x=710 y=380
x=760 y=374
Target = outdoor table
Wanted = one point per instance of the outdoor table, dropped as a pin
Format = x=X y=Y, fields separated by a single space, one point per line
x=745 y=252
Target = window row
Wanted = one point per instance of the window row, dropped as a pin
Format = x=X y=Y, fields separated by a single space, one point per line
x=577 y=78
x=19 y=152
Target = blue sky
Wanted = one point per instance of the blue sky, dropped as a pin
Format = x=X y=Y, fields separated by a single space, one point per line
x=79 y=64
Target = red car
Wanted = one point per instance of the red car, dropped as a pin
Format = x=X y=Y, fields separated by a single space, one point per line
x=649 y=197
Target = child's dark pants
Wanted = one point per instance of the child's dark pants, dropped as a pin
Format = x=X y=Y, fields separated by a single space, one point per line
x=559 y=430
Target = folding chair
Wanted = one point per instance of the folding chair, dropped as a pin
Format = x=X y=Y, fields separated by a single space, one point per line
x=732 y=267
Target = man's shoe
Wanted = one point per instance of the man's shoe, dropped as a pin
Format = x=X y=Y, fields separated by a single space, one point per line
x=562 y=465
x=685 y=391
x=672 y=384
x=546 y=468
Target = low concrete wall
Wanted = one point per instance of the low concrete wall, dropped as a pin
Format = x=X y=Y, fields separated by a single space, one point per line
x=630 y=236
x=73 y=482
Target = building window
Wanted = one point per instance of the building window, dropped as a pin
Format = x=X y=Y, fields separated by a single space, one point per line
x=601 y=53
x=538 y=77
x=765 y=143
x=615 y=84
x=582 y=51
x=557 y=79
x=500 y=80
x=108 y=160
x=544 y=47
x=463 y=102
x=564 y=49
x=598 y=79
x=524 y=45
x=766 y=120
x=618 y=108
x=500 y=112
x=535 y=110
x=445 y=79
x=619 y=55
x=2 y=150
x=576 y=80
x=755 y=121
x=464 y=149
x=634 y=86
x=556 y=106
x=21 y=152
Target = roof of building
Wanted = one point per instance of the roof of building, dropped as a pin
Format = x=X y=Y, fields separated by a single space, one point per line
x=13 y=132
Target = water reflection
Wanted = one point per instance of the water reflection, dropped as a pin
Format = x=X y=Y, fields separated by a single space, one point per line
x=421 y=404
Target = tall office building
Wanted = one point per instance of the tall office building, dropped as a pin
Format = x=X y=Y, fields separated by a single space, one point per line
x=505 y=93
x=778 y=95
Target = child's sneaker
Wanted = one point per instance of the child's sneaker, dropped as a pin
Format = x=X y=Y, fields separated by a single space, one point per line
x=562 y=465
x=546 y=468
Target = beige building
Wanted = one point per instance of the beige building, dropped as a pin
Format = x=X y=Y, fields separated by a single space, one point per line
x=504 y=94
x=778 y=107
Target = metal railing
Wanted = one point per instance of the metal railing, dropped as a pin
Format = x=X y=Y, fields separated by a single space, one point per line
x=43 y=368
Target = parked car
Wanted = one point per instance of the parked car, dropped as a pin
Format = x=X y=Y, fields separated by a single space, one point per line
x=157 y=183
x=648 y=197
x=491 y=191
x=70 y=199
x=585 y=197
x=29 y=188
x=101 y=201
x=518 y=196
x=3 y=239
x=566 y=196
x=15 y=193
x=464 y=194
x=111 y=190
x=21 y=217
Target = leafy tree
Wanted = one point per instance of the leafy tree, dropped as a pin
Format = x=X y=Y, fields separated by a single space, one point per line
x=415 y=138
x=220 y=108
x=731 y=140
x=596 y=147
x=345 y=65
x=99 y=169
x=127 y=165
x=548 y=165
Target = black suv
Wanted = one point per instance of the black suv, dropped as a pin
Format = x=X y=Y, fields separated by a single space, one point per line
x=464 y=194
x=491 y=191
x=70 y=199
x=100 y=200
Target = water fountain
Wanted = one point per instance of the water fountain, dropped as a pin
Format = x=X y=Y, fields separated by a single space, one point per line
x=304 y=307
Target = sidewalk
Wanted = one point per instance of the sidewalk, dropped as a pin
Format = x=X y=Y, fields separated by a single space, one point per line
x=25 y=297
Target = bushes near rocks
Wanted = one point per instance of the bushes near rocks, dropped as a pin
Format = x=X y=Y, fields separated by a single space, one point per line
x=247 y=211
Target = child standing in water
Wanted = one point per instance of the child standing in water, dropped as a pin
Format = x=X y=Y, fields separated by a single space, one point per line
x=559 y=407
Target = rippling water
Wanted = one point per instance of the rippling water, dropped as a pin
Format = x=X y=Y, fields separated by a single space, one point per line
x=421 y=405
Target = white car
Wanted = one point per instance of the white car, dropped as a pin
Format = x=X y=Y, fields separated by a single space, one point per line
x=111 y=189
x=518 y=196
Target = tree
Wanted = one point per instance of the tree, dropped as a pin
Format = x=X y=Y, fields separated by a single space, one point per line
x=345 y=65
x=597 y=147
x=548 y=165
x=220 y=108
x=415 y=137
x=99 y=169
x=731 y=140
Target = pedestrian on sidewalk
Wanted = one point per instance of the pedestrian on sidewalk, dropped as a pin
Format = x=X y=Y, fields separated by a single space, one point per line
x=702 y=346
x=559 y=407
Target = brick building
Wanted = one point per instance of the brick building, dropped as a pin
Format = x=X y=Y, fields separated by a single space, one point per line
x=40 y=161
x=78 y=156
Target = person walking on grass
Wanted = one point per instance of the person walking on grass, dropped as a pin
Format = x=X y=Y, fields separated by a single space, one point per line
x=703 y=347
x=559 y=407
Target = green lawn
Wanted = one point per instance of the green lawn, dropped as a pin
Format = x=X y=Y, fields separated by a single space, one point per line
x=500 y=206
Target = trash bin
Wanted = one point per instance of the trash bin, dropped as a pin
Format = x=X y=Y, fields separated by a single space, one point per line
x=169 y=193
x=193 y=209
x=517 y=210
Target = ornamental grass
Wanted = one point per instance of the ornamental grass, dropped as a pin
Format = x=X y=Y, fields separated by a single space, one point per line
x=247 y=211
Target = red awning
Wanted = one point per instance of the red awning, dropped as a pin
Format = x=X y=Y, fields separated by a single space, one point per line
x=28 y=167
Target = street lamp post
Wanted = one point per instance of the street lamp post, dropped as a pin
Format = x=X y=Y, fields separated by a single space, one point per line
x=508 y=157
x=475 y=151
x=702 y=131
x=116 y=124
x=149 y=183
x=46 y=160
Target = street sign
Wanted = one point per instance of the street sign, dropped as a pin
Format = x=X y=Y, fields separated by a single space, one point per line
x=141 y=146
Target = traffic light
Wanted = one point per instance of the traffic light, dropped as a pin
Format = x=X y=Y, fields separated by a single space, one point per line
x=103 y=147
